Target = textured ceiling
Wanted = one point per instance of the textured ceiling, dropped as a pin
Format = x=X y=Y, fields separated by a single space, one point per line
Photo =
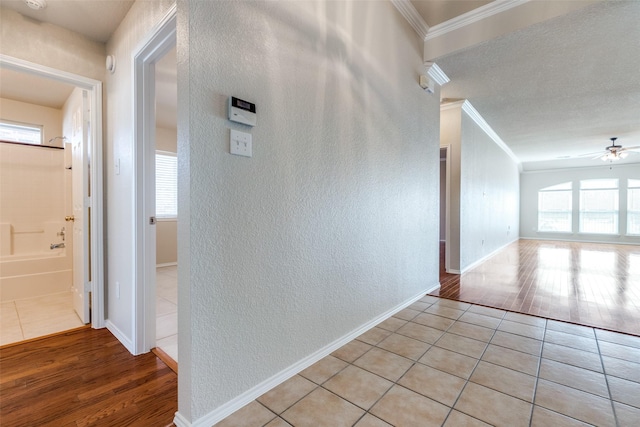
x=96 y=19
x=559 y=88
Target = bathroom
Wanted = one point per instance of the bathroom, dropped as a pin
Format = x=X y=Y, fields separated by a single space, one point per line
x=36 y=242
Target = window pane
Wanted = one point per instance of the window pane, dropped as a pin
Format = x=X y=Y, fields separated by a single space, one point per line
x=563 y=186
x=26 y=134
x=599 y=206
x=554 y=210
x=166 y=185
x=595 y=184
x=634 y=183
x=633 y=211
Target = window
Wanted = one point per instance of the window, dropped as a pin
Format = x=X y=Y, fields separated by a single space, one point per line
x=554 y=208
x=20 y=133
x=166 y=185
x=633 y=207
x=599 y=206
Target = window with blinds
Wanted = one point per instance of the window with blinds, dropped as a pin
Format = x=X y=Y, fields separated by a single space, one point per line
x=166 y=185
x=20 y=133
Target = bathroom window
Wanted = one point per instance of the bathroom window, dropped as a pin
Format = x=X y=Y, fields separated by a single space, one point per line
x=166 y=185
x=599 y=206
x=633 y=207
x=20 y=133
x=554 y=208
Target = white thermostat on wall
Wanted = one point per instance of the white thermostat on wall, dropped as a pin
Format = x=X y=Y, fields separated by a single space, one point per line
x=242 y=111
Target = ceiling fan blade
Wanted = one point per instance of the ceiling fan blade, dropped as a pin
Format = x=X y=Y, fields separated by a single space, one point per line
x=635 y=148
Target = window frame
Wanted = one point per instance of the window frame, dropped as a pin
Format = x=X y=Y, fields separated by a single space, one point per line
x=633 y=186
x=615 y=214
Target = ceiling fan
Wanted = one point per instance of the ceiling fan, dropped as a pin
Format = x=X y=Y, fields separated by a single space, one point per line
x=613 y=152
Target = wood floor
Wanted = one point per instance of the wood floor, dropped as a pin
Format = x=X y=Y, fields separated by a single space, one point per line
x=84 y=378
x=589 y=284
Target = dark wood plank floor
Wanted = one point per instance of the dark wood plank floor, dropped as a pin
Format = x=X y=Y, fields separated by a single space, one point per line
x=84 y=378
x=584 y=283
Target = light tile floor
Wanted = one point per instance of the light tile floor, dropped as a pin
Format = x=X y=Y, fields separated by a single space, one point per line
x=167 y=310
x=445 y=363
x=35 y=317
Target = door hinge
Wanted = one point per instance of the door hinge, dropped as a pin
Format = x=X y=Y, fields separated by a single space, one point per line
x=152 y=220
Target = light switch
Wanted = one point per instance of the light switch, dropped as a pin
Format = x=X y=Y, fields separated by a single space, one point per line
x=240 y=143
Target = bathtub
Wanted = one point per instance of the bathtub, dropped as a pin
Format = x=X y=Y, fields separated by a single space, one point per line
x=32 y=275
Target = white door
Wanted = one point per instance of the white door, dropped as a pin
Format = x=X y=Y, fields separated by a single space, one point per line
x=80 y=196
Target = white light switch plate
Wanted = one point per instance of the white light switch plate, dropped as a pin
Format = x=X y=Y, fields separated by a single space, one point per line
x=240 y=143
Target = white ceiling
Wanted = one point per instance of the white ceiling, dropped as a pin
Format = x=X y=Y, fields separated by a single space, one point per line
x=559 y=88
x=96 y=19
x=33 y=89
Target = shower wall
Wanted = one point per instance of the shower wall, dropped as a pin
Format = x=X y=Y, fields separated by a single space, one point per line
x=33 y=186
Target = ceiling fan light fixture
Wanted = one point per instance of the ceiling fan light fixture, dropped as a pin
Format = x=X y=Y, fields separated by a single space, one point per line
x=36 y=4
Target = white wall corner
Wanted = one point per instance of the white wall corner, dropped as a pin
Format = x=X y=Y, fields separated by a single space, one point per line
x=121 y=336
x=475 y=15
x=410 y=13
x=481 y=122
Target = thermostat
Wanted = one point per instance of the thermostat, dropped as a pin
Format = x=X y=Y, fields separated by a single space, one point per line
x=242 y=111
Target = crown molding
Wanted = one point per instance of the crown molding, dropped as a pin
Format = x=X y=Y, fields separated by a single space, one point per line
x=450 y=105
x=481 y=122
x=436 y=73
x=410 y=13
x=475 y=15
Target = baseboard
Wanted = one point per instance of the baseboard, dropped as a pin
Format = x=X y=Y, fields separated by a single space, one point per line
x=249 y=396
x=124 y=340
x=581 y=241
x=167 y=264
x=181 y=421
x=486 y=257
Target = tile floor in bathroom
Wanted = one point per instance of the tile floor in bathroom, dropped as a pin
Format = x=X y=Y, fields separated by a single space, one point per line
x=167 y=310
x=35 y=317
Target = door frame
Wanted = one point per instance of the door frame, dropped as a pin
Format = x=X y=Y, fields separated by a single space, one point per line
x=96 y=203
x=159 y=41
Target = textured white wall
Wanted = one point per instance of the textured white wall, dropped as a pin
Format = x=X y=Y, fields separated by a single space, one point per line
x=484 y=190
x=489 y=195
x=334 y=220
x=50 y=45
x=119 y=144
x=532 y=182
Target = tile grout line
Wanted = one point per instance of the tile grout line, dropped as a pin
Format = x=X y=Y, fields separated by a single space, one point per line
x=468 y=380
x=606 y=379
x=535 y=386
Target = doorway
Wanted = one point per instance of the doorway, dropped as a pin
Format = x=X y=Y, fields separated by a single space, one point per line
x=161 y=41
x=83 y=229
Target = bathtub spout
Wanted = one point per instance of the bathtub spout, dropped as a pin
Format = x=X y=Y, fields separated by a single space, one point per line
x=56 y=246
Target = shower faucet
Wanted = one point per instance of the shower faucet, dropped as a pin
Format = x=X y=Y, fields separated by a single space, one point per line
x=56 y=246
x=61 y=233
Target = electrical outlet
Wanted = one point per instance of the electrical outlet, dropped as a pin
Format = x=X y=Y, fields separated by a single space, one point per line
x=240 y=143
